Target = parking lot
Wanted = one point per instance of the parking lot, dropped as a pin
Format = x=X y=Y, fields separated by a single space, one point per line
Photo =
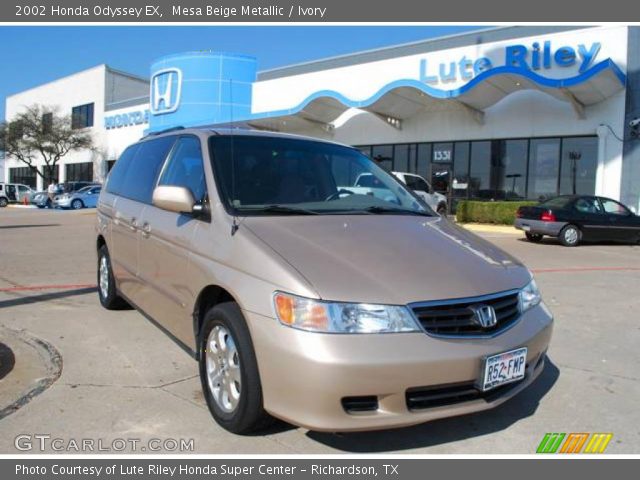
x=114 y=375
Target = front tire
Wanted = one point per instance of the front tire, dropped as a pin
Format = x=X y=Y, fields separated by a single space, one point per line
x=77 y=204
x=533 y=237
x=107 y=292
x=3 y=202
x=442 y=210
x=570 y=236
x=229 y=371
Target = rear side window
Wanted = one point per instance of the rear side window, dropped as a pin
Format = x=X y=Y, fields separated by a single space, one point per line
x=557 y=202
x=184 y=167
x=140 y=176
x=119 y=170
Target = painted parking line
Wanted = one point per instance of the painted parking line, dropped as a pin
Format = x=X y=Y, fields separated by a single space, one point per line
x=21 y=288
x=585 y=269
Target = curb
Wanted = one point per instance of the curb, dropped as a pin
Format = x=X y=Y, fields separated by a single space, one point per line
x=489 y=228
x=53 y=364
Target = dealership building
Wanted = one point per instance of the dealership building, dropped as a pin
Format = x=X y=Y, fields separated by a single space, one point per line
x=503 y=113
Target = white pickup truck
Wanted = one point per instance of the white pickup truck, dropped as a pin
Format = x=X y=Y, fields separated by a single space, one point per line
x=419 y=185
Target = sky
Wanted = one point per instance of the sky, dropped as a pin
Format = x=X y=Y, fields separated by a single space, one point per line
x=36 y=55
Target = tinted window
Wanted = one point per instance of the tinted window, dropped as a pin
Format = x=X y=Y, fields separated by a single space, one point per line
x=558 y=202
x=185 y=169
x=613 y=207
x=119 y=170
x=141 y=176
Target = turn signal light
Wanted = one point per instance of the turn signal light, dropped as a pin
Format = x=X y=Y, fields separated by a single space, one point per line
x=548 y=216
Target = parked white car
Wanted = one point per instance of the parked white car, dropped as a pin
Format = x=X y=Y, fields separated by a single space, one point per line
x=423 y=189
x=13 y=193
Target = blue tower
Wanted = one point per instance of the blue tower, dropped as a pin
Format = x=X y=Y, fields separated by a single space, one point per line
x=200 y=88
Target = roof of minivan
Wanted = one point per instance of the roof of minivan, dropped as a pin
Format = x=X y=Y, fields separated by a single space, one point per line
x=237 y=131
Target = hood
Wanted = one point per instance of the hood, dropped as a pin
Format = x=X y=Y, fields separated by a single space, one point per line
x=389 y=259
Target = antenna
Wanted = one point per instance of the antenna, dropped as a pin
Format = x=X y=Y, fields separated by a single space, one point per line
x=234 y=225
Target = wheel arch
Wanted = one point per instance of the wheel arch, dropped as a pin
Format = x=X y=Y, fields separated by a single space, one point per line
x=209 y=297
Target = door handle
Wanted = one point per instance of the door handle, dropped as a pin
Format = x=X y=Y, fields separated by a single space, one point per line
x=146 y=229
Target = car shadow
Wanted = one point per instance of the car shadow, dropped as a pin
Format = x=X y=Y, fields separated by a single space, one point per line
x=447 y=430
x=556 y=242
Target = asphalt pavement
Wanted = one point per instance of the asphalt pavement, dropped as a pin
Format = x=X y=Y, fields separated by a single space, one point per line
x=121 y=378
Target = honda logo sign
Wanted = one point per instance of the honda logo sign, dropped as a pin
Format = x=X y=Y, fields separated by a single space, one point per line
x=166 y=86
x=485 y=315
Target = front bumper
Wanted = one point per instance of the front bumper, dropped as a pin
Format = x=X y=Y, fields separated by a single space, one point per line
x=538 y=226
x=305 y=376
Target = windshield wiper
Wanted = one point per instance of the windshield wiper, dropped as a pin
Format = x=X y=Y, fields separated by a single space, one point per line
x=276 y=208
x=377 y=209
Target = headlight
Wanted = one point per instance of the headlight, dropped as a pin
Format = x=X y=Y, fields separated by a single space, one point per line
x=529 y=296
x=330 y=317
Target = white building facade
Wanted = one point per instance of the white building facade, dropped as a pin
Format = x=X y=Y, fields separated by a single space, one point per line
x=500 y=114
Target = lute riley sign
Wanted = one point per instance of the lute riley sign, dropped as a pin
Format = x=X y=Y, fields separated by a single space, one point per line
x=537 y=56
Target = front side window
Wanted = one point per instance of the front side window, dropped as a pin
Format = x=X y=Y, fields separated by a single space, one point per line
x=266 y=176
x=588 y=205
x=184 y=168
x=614 y=208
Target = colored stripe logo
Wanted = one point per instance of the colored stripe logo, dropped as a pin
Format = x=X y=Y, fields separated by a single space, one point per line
x=574 y=442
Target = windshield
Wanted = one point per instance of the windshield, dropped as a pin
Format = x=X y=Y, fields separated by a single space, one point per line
x=277 y=176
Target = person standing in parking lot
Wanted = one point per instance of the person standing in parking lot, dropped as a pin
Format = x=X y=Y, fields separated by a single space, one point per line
x=51 y=191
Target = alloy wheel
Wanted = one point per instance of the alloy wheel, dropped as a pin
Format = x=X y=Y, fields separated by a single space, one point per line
x=223 y=368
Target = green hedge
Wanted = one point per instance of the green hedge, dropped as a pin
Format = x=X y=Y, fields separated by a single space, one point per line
x=503 y=213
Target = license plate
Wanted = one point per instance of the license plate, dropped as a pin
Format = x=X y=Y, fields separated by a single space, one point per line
x=504 y=368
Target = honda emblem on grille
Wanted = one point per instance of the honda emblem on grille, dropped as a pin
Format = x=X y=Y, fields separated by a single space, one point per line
x=485 y=315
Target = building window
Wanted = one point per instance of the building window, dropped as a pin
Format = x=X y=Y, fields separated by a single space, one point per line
x=383 y=156
x=511 y=169
x=47 y=122
x=578 y=166
x=544 y=163
x=423 y=159
x=480 y=171
x=460 y=182
x=110 y=164
x=82 y=116
x=79 y=172
x=23 y=175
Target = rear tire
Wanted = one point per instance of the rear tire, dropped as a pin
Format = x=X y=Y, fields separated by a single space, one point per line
x=229 y=371
x=533 y=237
x=3 y=202
x=107 y=292
x=442 y=209
x=570 y=236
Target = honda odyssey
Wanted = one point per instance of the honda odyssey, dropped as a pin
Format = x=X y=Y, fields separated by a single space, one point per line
x=305 y=299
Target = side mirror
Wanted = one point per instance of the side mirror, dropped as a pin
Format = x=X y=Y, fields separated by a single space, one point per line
x=173 y=198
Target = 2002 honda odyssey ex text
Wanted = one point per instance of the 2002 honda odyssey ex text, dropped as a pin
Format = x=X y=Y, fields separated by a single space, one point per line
x=303 y=297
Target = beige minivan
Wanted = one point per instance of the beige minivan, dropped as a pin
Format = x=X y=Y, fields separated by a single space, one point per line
x=306 y=297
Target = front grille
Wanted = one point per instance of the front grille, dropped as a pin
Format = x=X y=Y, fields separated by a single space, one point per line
x=455 y=317
x=451 y=394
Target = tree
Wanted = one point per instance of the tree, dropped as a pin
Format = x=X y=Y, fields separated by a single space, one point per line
x=40 y=133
